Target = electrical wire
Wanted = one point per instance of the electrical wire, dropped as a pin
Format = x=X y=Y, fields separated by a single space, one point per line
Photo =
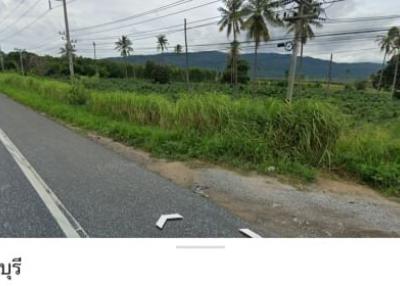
x=30 y=8
x=33 y=22
x=11 y=12
x=155 y=10
x=152 y=19
x=158 y=30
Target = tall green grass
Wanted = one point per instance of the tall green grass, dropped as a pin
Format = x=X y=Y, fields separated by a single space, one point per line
x=305 y=131
x=372 y=153
x=250 y=133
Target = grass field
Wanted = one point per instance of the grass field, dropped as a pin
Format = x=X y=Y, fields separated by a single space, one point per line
x=341 y=130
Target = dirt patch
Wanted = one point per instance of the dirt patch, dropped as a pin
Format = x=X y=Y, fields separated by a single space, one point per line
x=327 y=208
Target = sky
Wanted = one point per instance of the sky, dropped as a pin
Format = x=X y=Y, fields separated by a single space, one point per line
x=30 y=25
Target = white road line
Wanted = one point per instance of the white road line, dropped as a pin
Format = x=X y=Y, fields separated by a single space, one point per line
x=249 y=233
x=68 y=224
x=164 y=218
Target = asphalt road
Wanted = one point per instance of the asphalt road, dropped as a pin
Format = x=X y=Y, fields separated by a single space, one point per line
x=107 y=194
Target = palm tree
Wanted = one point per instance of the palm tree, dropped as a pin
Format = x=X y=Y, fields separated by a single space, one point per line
x=64 y=50
x=124 y=46
x=394 y=35
x=306 y=25
x=260 y=13
x=232 y=20
x=385 y=43
x=178 y=49
x=233 y=58
x=162 y=43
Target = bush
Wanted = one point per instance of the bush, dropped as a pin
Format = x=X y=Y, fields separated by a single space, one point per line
x=161 y=74
x=317 y=84
x=242 y=76
x=397 y=94
x=77 y=95
x=349 y=87
x=361 y=85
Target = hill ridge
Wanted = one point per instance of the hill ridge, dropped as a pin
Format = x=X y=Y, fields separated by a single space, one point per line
x=272 y=65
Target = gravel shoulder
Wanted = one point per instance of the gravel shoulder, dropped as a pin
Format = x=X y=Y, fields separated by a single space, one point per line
x=326 y=208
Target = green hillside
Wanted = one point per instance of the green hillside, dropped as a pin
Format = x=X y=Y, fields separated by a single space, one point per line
x=270 y=64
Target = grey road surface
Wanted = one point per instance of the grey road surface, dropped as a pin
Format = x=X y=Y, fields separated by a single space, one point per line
x=109 y=195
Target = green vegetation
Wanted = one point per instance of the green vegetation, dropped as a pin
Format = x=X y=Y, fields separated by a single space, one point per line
x=58 y=67
x=253 y=130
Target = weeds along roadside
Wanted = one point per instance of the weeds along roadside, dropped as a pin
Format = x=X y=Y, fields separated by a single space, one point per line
x=249 y=133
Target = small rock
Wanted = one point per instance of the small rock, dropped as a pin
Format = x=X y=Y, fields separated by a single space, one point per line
x=200 y=190
x=275 y=205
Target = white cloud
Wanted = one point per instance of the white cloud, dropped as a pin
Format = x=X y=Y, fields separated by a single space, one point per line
x=44 y=33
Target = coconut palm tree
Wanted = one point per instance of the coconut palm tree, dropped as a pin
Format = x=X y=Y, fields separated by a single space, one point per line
x=234 y=52
x=162 y=43
x=260 y=13
x=307 y=25
x=64 y=50
x=386 y=45
x=178 y=49
x=232 y=19
x=124 y=46
x=394 y=35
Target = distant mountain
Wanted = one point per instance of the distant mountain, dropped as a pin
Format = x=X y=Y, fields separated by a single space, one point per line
x=270 y=65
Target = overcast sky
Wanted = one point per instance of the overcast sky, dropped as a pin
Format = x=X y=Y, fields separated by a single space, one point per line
x=41 y=35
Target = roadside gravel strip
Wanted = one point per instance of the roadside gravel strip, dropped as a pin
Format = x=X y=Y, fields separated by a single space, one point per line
x=109 y=195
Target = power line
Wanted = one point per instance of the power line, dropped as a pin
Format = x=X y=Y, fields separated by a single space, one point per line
x=362 y=19
x=30 y=8
x=30 y=24
x=158 y=9
x=134 y=34
x=153 y=19
x=158 y=30
x=273 y=41
x=320 y=40
x=11 y=12
x=174 y=31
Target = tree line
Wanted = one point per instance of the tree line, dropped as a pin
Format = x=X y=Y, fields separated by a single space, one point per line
x=58 y=67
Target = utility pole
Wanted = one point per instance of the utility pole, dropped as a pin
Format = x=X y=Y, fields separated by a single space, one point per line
x=94 y=51
x=1 y=60
x=295 y=52
x=95 y=58
x=330 y=71
x=21 y=61
x=68 y=38
x=187 y=57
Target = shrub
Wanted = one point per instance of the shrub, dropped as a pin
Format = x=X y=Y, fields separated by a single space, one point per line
x=317 y=84
x=77 y=95
x=397 y=94
x=349 y=87
x=161 y=74
x=242 y=70
x=361 y=85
